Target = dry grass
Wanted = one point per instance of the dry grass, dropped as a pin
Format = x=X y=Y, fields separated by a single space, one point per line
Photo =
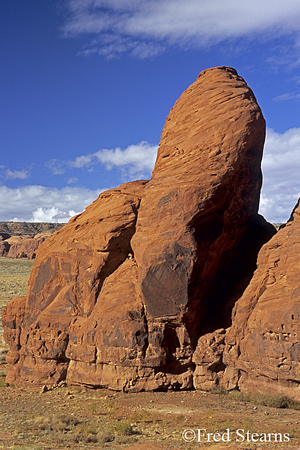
x=272 y=401
x=14 y=275
x=70 y=429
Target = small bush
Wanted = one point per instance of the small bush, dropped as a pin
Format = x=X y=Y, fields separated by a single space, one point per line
x=240 y=396
x=141 y=416
x=122 y=428
x=105 y=437
x=61 y=422
x=219 y=390
x=144 y=416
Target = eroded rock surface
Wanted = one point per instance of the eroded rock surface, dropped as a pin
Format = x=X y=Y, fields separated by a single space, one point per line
x=263 y=345
x=67 y=278
x=198 y=231
x=120 y=296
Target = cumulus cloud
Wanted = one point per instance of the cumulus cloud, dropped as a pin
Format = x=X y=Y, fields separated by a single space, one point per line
x=281 y=168
x=136 y=160
x=280 y=191
x=52 y=214
x=42 y=204
x=145 y=27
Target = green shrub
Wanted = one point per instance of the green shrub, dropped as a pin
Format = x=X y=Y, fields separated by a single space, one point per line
x=122 y=428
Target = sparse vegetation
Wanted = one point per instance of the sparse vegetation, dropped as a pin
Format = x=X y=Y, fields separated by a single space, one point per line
x=273 y=401
x=122 y=428
x=218 y=390
x=14 y=275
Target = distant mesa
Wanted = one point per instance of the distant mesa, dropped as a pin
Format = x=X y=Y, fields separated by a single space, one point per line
x=21 y=239
x=157 y=285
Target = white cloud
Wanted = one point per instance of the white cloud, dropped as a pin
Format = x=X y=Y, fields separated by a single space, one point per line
x=142 y=26
x=287 y=96
x=136 y=160
x=281 y=168
x=39 y=203
x=280 y=191
x=55 y=166
x=16 y=174
x=82 y=161
x=72 y=180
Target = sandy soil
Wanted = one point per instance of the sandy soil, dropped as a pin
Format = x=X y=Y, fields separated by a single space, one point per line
x=75 y=417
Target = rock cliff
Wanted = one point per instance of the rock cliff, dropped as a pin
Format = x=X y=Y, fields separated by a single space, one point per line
x=124 y=295
x=262 y=350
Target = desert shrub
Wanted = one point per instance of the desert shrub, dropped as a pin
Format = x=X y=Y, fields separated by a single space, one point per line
x=141 y=416
x=144 y=416
x=276 y=401
x=106 y=436
x=240 y=396
x=122 y=428
x=219 y=390
x=62 y=422
x=67 y=428
x=273 y=401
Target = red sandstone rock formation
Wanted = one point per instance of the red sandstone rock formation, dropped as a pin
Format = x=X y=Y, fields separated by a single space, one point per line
x=25 y=247
x=71 y=271
x=263 y=345
x=21 y=239
x=120 y=295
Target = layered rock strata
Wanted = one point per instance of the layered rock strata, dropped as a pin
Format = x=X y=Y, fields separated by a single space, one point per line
x=120 y=296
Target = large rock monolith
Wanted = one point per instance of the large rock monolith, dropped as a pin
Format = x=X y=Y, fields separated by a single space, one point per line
x=120 y=296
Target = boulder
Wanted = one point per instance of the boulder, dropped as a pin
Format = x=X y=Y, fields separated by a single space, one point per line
x=262 y=350
x=208 y=358
x=120 y=296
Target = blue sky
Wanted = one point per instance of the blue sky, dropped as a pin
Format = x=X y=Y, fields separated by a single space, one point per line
x=86 y=86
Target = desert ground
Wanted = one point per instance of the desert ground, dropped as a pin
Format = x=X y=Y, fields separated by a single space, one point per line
x=73 y=417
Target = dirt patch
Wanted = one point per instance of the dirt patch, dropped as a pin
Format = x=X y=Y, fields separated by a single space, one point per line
x=75 y=417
